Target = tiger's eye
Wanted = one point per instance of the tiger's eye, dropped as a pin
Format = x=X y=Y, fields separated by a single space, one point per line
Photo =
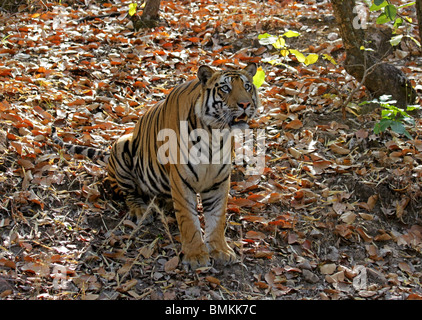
x=225 y=88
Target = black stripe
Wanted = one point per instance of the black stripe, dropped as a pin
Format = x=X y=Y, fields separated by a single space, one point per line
x=191 y=169
x=186 y=183
x=216 y=185
x=195 y=86
x=223 y=167
x=210 y=204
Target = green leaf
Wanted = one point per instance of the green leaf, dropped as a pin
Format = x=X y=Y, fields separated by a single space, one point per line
x=377 y=129
x=299 y=56
x=407 y=134
x=291 y=34
x=407 y=4
x=264 y=35
x=399 y=128
x=382 y=18
x=398 y=23
x=413 y=107
x=396 y=40
x=311 y=58
x=132 y=8
x=378 y=5
x=391 y=12
x=387 y=114
x=259 y=77
x=379 y=2
x=384 y=124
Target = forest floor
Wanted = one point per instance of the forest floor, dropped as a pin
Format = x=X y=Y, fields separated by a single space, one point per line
x=336 y=214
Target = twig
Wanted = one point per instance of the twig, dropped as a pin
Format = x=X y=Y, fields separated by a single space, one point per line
x=366 y=73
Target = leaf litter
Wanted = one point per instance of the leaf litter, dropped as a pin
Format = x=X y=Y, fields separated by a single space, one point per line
x=335 y=215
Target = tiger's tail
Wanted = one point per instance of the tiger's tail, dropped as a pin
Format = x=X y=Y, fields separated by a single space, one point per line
x=90 y=152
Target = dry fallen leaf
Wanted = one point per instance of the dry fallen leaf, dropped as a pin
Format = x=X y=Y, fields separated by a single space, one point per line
x=255 y=235
x=171 y=264
x=328 y=184
x=339 y=149
x=401 y=206
x=213 y=280
x=328 y=268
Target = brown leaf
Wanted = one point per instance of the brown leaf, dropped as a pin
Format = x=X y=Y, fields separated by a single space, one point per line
x=370 y=204
x=384 y=236
x=263 y=253
x=335 y=278
x=339 y=149
x=7 y=263
x=213 y=280
x=129 y=223
x=292 y=238
x=294 y=124
x=406 y=268
x=261 y=285
x=295 y=153
x=373 y=252
x=38 y=268
x=343 y=230
x=254 y=218
x=127 y=285
x=87 y=282
x=241 y=202
x=362 y=134
x=256 y=235
x=401 y=205
x=171 y=264
x=328 y=268
x=126 y=267
x=363 y=234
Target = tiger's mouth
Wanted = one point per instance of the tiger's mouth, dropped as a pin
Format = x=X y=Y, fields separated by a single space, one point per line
x=240 y=120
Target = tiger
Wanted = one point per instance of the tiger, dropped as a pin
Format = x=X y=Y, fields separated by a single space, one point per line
x=214 y=100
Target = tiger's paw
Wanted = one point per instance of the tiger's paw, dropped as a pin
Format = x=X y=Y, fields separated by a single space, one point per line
x=196 y=254
x=197 y=259
x=224 y=255
x=139 y=213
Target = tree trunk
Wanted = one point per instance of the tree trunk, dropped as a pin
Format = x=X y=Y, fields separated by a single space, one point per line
x=379 y=78
x=419 y=15
x=11 y=5
x=150 y=16
x=151 y=10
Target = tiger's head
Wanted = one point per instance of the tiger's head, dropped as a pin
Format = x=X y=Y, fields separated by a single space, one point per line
x=229 y=97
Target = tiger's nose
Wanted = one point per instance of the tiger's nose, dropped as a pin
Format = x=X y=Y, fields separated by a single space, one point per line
x=244 y=105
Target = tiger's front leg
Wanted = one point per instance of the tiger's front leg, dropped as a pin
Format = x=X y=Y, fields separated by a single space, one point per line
x=185 y=207
x=214 y=203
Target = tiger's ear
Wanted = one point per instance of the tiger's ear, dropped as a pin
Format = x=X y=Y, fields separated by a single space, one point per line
x=251 y=68
x=204 y=74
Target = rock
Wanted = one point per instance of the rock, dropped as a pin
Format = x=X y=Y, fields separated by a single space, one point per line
x=310 y=276
x=304 y=264
x=333 y=255
x=332 y=36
